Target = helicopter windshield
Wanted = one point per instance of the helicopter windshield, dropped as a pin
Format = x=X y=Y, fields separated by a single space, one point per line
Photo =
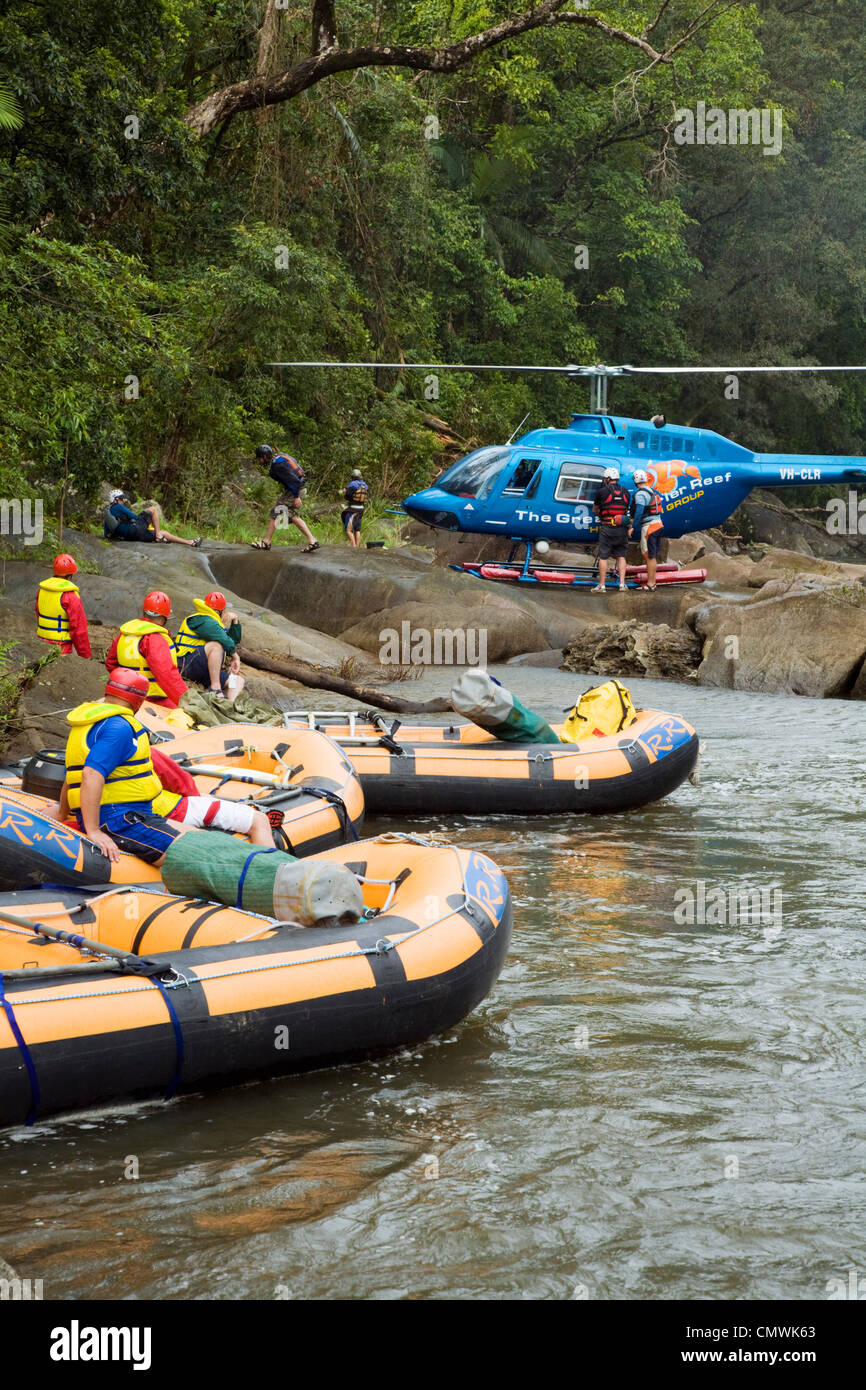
x=475 y=475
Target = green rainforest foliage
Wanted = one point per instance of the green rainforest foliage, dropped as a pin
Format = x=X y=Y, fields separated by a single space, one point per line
x=149 y=275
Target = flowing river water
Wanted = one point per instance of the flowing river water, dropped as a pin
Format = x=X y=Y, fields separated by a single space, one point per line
x=644 y=1107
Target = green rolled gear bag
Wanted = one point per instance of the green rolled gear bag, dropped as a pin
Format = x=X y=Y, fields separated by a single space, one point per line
x=488 y=704
x=212 y=865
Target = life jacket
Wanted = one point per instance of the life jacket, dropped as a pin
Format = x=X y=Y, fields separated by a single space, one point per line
x=187 y=641
x=52 y=624
x=286 y=470
x=613 y=507
x=129 y=652
x=602 y=710
x=132 y=781
x=166 y=802
x=654 y=507
x=357 y=494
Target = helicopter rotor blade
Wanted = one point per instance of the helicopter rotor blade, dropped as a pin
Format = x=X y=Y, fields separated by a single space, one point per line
x=736 y=371
x=573 y=369
x=435 y=366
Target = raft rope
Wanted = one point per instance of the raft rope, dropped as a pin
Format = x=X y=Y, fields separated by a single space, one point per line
x=25 y=1053
x=178 y=1037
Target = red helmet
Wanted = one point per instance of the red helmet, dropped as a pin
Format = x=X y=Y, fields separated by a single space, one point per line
x=131 y=685
x=157 y=604
x=64 y=564
x=215 y=600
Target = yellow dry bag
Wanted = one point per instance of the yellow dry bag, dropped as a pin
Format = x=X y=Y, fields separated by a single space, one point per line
x=605 y=709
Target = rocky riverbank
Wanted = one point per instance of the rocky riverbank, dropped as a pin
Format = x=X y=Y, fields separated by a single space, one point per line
x=770 y=618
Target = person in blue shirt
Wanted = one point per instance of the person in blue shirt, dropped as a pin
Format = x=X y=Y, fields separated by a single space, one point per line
x=121 y=523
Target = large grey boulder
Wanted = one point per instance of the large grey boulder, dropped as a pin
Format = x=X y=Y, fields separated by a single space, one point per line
x=807 y=640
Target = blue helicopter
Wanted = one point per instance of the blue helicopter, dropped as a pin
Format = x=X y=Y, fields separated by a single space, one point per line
x=540 y=488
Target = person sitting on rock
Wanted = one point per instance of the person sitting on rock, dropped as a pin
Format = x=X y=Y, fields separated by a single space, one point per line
x=204 y=645
x=356 y=495
x=611 y=508
x=60 y=615
x=144 y=644
x=121 y=523
x=286 y=511
x=110 y=782
x=646 y=521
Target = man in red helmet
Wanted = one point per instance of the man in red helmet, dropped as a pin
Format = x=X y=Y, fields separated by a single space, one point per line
x=144 y=644
x=111 y=783
x=204 y=645
x=60 y=616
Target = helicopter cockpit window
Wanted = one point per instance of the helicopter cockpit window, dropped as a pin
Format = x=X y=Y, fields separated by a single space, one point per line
x=526 y=471
x=475 y=475
x=577 y=483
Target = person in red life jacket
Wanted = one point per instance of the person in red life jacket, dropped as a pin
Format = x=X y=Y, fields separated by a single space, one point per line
x=611 y=508
x=60 y=616
x=204 y=646
x=145 y=645
x=110 y=782
x=646 y=522
x=286 y=511
x=181 y=801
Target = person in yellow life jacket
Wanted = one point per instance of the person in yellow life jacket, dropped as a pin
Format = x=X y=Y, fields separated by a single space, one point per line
x=60 y=616
x=144 y=644
x=110 y=783
x=204 y=645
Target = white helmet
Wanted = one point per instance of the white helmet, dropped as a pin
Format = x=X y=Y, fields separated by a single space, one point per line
x=117 y=494
x=611 y=472
x=639 y=475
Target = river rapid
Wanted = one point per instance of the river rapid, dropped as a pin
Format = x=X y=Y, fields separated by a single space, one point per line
x=646 y=1106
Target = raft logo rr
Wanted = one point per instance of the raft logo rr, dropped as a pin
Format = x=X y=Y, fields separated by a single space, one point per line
x=732 y=907
x=438 y=646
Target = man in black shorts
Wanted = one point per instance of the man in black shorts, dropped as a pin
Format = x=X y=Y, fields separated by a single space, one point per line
x=121 y=523
x=611 y=508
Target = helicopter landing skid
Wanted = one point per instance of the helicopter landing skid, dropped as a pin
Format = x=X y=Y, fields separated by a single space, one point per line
x=576 y=576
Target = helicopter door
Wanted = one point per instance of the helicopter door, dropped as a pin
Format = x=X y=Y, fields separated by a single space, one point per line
x=577 y=487
x=519 y=485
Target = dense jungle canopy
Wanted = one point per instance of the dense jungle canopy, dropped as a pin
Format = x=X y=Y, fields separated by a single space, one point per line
x=193 y=188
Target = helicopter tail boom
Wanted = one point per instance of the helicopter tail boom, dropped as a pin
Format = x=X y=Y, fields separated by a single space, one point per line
x=797 y=470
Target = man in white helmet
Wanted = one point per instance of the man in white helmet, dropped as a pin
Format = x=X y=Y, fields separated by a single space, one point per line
x=646 y=522
x=611 y=508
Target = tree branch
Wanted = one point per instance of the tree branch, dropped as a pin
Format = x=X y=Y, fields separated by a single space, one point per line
x=262 y=90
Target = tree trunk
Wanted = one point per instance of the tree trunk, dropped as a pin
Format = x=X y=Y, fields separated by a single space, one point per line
x=312 y=676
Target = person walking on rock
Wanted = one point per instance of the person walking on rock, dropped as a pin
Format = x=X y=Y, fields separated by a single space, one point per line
x=204 y=644
x=60 y=615
x=356 y=496
x=287 y=509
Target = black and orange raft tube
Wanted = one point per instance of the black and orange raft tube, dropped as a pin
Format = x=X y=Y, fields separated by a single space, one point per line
x=460 y=768
x=134 y=993
x=300 y=778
